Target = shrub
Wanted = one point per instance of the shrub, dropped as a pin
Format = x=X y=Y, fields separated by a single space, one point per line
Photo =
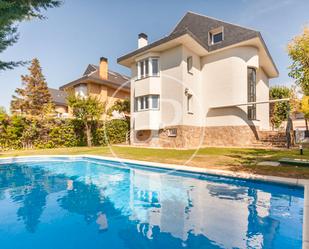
x=17 y=132
x=112 y=132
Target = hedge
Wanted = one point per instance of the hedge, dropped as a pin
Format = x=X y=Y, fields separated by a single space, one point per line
x=19 y=132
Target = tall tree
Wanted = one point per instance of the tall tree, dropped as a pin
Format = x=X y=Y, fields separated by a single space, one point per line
x=2 y=110
x=87 y=110
x=34 y=98
x=305 y=109
x=13 y=11
x=298 y=50
x=121 y=106
x=279 y=110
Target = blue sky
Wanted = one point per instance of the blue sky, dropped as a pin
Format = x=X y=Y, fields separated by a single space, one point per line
x=80 y=32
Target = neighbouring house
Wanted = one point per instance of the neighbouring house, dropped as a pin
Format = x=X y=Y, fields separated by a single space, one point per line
x=59 y=99
x=97 y=81
x=204 y=84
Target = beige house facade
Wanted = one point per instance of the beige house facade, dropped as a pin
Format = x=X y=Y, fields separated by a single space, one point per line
x=97 y=81
x=205 y=84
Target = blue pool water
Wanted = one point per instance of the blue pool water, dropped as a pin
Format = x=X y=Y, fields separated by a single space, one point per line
x=92 y=204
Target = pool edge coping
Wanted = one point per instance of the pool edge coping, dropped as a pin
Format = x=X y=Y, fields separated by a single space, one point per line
x=246 y=176
x=190 y=169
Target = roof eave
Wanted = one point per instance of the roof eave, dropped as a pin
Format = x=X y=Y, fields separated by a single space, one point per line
x=123 y=60
x=89 y=79
x=269 y=55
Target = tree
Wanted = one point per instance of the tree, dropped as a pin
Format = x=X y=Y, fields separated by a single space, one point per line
x=2 y=110
x=34 y=98
x=279 y=110
x=15 y=11
x=305 y=109
x=88 y=110
x=298 y=50
x=120 y=106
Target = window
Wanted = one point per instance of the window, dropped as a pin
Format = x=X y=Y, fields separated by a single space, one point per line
x=216 y=36
x=155 y=101
x=148 y=67
x=189 y=103
x=172 y=132
x=81 y=90
x=190 y=65
x=155 y=66
x=251 y=93
x=147 y=102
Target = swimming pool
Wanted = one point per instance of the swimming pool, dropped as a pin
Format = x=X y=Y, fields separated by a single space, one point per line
x=89 y=203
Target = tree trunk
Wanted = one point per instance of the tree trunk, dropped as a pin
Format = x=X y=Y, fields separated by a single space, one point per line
x=307 y=131
x=88 y=134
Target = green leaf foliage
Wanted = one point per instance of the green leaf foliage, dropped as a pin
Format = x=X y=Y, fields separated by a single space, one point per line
x=13 y=11
x=34 y=98
x=298 y=50
x=120 y=106
x=24 y=132
x=112 y=132
x=279 y=110
x=88 y=110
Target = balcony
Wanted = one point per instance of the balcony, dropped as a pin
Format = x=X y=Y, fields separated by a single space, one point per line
x=148 y=85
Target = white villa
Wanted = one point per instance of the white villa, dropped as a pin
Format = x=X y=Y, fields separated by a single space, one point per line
x=205 y=84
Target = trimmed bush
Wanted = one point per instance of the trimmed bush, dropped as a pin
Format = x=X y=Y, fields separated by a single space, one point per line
x=18 y=132
x=111 y=132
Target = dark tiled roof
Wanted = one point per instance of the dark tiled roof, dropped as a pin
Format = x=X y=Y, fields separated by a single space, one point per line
x=198 y=27
x=58 y=96
x=90 y=69
x=92 y=73
x=201 y=25
x=161 y=41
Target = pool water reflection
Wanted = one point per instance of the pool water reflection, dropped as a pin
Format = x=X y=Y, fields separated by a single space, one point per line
x=100 y=204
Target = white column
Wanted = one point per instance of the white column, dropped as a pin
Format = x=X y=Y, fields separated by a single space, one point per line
x=138 y=70
x=150 y=67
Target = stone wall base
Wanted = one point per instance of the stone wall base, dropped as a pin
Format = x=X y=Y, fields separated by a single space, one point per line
x=194 y=137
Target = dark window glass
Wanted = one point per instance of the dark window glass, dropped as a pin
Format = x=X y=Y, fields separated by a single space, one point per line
x=252 y=93
x=217 y=37
x=189 y=103
x=142 y=103
x=146 y=98
x=142 y=69
x=146 y=67
x=135 y=104
x=189 y=64
x=155 y=101
x=155 y=67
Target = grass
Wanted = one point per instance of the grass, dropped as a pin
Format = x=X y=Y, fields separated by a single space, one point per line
x=233 y=159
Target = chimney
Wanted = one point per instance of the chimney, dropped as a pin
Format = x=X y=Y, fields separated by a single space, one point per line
x=142 y=40
x=103 y=68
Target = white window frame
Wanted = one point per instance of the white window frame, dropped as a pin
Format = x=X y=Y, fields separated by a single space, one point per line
x=158 y=66
x=172 y=132
x=81 y=90
x=214 y=32
x=146 y=101
x=143 y=64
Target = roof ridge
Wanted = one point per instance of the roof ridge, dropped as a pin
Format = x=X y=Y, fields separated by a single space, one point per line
x=217 y=19
x=95 y=66
x=112 y=71
x=55 y=89
x=123 y=75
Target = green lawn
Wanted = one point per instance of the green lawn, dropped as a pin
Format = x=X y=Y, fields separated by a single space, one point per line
x=234 y=159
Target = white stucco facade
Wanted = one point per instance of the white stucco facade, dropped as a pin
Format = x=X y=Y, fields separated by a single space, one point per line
x=200 y=88
x=218 y=79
